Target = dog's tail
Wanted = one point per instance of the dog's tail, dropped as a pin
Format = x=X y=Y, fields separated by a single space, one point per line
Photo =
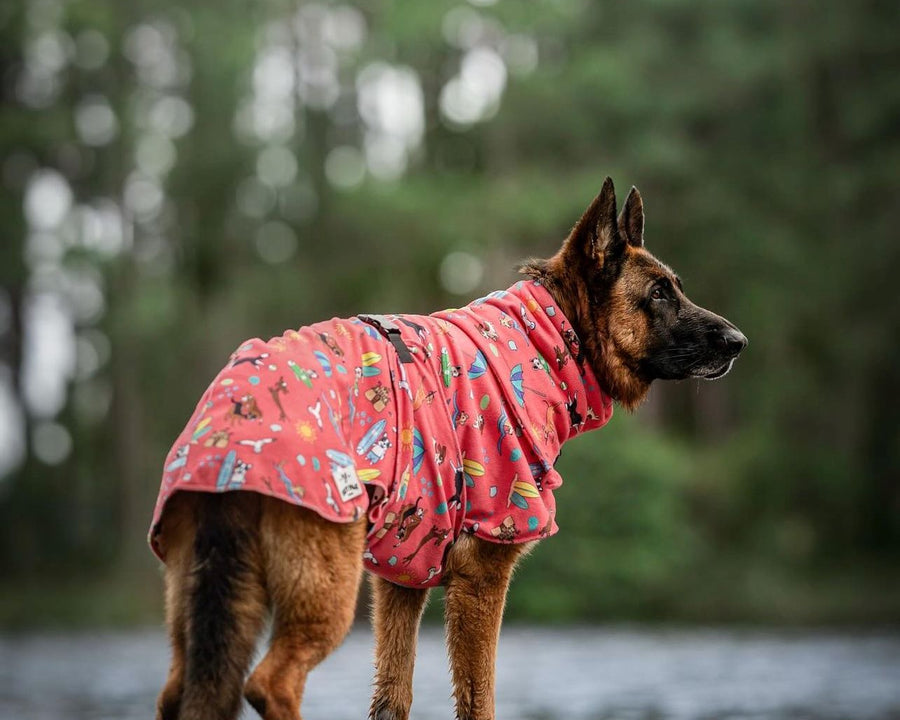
x=225 y=606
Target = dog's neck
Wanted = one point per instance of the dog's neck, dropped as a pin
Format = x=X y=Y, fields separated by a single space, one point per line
x=568 y=288
x=557 y=341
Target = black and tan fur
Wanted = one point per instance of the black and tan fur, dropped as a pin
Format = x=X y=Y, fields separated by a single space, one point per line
x=226 y=565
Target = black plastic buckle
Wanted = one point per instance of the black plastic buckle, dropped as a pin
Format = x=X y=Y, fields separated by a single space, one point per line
x=391 y=331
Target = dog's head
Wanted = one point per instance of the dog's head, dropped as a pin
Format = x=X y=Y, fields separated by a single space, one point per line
x=635 y=323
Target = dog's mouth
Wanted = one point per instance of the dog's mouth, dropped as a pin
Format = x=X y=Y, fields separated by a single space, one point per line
x=716 y=373
x=687 y=360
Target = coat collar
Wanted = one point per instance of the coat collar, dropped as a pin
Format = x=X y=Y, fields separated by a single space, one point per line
x=549 y=407
x=574 y=385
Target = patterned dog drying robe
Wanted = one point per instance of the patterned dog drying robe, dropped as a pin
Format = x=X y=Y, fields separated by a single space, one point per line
x=428 y=426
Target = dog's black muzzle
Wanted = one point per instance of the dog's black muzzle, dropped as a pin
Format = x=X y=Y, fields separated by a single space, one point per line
x=700 y=344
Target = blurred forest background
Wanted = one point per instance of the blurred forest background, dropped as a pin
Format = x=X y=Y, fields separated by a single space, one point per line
x=177 y=177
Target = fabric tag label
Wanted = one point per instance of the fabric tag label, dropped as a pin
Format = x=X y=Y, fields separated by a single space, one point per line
x=347 y=483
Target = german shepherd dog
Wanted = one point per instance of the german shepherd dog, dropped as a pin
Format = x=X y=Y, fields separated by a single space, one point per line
x=235 y=558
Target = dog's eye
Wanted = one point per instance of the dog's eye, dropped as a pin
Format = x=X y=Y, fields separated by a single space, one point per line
x=662 y=290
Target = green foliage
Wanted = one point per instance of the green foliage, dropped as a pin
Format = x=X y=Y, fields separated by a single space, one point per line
x=625 y=530
x=762 y=135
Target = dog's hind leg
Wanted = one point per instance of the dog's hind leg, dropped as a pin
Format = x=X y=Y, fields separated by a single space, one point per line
x=313 y=570
x=477 y=579
x=227 y=605
x=396 y=613
x=178 y=536
x=169 y=701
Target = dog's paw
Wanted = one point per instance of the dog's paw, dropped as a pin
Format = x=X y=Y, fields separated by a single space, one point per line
x=385 y=714
x=381 y=711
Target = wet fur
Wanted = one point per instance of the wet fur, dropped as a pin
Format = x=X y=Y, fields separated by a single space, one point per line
x=233 y=560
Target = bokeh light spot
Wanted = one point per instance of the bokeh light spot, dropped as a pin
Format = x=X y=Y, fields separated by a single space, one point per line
x=461 y=272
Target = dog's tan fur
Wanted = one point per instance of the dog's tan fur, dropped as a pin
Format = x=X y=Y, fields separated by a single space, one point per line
x=269 y=556
x=477 y=577
x=303 y=569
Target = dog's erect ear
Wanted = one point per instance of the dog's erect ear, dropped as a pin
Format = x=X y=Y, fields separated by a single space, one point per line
x=596 y=235
x=631 y=221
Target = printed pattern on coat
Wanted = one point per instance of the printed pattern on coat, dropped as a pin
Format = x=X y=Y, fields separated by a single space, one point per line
x=462 y=439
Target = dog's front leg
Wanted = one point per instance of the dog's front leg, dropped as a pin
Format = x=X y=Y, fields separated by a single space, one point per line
x=477 y=579
x=396 y=612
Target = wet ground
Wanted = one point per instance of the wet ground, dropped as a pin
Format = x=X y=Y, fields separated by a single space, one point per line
x=579 y=674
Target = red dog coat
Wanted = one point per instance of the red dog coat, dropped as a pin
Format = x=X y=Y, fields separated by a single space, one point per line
x=428 y=425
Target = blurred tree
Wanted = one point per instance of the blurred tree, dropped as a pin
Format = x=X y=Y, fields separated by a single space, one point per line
x=179 y=178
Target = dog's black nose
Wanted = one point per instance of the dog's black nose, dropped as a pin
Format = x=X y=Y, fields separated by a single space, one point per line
x=731 y=340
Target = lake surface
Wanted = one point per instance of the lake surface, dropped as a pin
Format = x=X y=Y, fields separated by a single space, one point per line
x=543 y=674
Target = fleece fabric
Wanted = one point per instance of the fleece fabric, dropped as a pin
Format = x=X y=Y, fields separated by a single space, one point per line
x=461 y=437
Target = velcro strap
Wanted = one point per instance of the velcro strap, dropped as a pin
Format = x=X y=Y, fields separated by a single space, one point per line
x=391 y=331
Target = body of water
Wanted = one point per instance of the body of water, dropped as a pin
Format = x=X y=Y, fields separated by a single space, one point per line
x=543 y=674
